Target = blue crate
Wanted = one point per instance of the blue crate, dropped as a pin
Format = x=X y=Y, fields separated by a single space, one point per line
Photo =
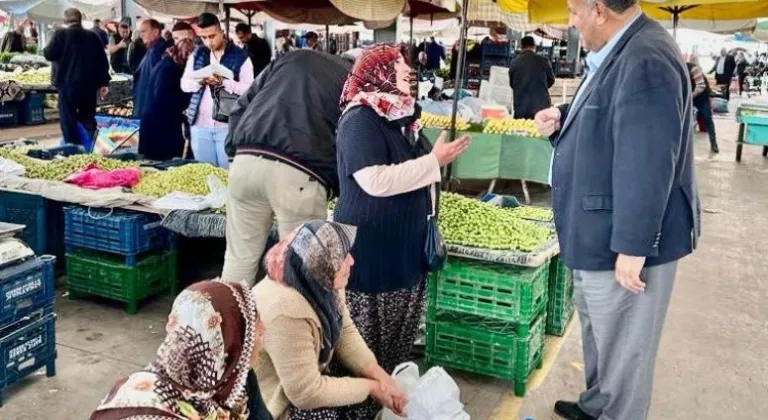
x=25 y=288
x=116 y=231
x=42 y=218
x=31 y=109
x=9 y=115
x=496 y=49
x=26 y=347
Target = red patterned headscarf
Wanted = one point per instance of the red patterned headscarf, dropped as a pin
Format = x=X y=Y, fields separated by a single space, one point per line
x=373 y=83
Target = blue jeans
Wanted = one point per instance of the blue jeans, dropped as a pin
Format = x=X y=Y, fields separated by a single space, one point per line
x=208 y=145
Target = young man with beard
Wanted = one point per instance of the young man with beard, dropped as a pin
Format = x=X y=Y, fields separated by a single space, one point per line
x=207 y=134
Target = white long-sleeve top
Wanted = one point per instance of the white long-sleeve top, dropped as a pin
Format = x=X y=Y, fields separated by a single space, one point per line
x=390 y=180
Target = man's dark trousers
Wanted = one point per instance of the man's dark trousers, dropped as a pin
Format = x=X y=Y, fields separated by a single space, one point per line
x=77 y=105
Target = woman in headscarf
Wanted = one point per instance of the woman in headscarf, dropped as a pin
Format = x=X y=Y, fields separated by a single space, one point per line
x=161 y=136
x=388 y=174
x=203 y=367
x=307 y=326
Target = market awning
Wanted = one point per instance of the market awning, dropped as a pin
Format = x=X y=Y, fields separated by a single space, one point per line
x=52 y=11
x=716 y=27
x=556 y=12
x=761 y=31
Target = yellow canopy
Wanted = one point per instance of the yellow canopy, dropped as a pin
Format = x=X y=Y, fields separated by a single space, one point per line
x=556 y=11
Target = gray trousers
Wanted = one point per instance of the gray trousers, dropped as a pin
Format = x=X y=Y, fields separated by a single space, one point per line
x=621 y=333
x=263 y=191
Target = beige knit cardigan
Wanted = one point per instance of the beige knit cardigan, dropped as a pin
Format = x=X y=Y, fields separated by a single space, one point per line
x=288 y=371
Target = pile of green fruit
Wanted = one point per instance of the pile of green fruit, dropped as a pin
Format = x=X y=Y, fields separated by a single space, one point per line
x=532 y=213
x=468 y=222
x=60 y=168
x=190 y=179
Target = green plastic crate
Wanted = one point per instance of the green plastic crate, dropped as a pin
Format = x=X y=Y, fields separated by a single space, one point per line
x=500 y=292
x=560 y=307
x=490 y=349
x=92 y=273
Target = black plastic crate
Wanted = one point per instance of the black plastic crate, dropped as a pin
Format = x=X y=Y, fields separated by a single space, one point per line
x=32 y=109
x=9 y=115
x=27 y=346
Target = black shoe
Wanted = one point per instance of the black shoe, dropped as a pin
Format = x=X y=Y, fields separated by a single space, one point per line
x=571 y=411
x=715 y=149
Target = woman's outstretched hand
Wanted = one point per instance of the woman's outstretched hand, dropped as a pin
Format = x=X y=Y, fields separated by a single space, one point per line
x=448 y=152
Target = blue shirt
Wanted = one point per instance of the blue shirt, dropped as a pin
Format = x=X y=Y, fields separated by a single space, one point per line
x=595 y=59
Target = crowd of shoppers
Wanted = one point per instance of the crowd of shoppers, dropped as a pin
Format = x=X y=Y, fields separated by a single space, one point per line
x=334 y=313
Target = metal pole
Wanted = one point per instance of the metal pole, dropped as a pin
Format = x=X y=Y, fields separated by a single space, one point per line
x=675 y=21
x=327 y=39
x=462 y=52
x=411 y=31
x=227 y=14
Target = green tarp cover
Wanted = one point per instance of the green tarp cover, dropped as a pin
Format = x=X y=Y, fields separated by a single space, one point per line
x=492 y=156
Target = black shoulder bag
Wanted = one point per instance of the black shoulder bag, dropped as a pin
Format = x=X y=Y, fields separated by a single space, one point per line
x=223 y=102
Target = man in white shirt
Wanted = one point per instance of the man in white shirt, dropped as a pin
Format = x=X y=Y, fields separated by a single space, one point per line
x=724 y=69
x=207 y=132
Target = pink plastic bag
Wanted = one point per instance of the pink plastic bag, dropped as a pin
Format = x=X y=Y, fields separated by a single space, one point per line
x=94 y=178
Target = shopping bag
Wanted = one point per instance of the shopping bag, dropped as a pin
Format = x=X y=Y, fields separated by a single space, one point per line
x=434 y=396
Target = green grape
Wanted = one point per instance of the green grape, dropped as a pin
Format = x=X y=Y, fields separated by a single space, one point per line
x=190 y=179
x=468 y=222
x=532 y=213
x=60 y=168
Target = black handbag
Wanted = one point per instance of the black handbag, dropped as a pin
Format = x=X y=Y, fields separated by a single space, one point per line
x=223 y=102
x=435 y=253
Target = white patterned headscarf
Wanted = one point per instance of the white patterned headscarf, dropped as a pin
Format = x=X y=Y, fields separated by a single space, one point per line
x=202 y=365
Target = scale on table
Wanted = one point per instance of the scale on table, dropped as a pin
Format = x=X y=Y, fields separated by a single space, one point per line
x=12 y=249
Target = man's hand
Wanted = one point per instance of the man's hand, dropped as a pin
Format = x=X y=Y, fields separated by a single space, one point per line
x=628 y=270
x=214 y=81
x=448 y=152
x=103 y=92
x=548 y=121
x=122 y=44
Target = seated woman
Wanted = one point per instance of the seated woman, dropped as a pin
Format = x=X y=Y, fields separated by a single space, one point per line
x=203 y=367
x=307 y=325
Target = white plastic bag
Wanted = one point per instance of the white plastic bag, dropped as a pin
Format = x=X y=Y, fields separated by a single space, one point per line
x=11 y=168
x=217 y=198
x=434 y=396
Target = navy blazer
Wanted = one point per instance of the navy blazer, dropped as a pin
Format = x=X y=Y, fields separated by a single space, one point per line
x=622 y=175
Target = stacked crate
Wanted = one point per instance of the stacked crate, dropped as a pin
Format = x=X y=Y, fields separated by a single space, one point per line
x=560 y=308
x=488 y=318
x=27 y=332
x=119 y=255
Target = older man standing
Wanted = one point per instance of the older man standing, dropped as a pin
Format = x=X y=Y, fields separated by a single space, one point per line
x=625 y=200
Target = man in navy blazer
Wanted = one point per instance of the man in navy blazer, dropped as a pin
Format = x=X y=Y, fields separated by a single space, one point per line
x=624 y=197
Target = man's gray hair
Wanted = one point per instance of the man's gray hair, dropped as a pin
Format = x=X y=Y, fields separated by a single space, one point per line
x=618 y=6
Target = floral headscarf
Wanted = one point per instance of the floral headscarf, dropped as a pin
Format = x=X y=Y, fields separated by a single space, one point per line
x=308 y=260
x=201 y=368
x=181 y=51
x=373 y=83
